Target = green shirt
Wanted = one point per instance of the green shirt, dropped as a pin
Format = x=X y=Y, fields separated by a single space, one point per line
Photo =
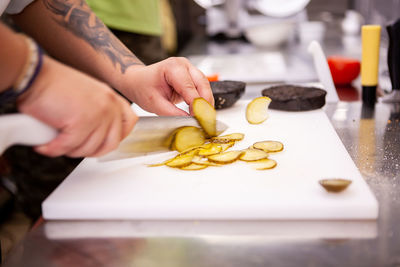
x=137 y=16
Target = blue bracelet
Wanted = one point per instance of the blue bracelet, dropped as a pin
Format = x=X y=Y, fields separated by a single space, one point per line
x=27 y=77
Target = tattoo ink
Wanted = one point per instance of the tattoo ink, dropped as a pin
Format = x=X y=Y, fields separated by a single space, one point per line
x=80 y=20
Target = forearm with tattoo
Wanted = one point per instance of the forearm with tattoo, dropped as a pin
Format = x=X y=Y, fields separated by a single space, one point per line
x=77 y=18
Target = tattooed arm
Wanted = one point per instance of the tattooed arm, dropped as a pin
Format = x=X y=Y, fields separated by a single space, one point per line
x=70 y=31
x=90 y=117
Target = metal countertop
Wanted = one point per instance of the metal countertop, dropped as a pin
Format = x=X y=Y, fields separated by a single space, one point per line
x=371 y=136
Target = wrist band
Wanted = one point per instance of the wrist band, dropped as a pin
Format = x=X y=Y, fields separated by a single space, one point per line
x=28 y=75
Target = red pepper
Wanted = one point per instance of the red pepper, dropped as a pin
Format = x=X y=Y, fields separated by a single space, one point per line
x=343 y=69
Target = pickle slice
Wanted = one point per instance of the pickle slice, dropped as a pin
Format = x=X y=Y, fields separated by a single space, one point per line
x=180 y=161
x=263 y=164
x=228 y=138
x=205 y=115
x=194 y=167
x=168 y=142
x=194 y=150
x=257 y=110
x=187 y=137
x=191 y=151
x=209 y=149
x=162 y=163
x=158 y=164
x=335 y=185
x=252 y=154
x=203 y=161
x=269 y=146
x=225 y=157
x=226 y=146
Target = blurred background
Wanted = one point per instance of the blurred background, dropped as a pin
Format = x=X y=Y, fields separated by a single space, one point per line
x=191 y=17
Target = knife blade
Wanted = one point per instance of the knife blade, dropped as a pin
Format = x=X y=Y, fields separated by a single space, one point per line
x=149 y=135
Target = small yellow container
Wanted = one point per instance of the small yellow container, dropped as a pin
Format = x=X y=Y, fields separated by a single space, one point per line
x=370 y=37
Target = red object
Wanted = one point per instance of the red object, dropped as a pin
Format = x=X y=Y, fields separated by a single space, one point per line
x=347 y=93
x=213 y=78
x=343 y=69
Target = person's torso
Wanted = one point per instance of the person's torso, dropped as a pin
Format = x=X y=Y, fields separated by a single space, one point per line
x=138 y=16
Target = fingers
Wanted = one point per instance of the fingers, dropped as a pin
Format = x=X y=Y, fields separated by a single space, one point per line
x=202 y=84
x=58 y=146
x=117 y=132
x=188 y=81
x=177 y=75
x=164 y=107
x=129 y=119
x=81 y=141
x=111 y=140
x=71 y=144
x=158 y=87
x=101 y=140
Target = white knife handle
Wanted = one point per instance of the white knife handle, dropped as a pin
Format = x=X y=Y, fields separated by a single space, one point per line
x=323 y=71
x=24 y=130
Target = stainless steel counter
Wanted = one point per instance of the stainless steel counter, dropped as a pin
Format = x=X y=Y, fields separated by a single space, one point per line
x=372 y=138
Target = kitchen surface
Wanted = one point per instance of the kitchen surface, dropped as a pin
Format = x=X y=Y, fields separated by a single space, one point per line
x=361 y=141
x=370 y=136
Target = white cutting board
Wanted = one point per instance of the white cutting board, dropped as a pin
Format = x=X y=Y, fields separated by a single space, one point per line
x=128 y=189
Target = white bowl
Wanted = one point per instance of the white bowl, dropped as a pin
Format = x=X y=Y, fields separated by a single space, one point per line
x=279 y=8
x=270 y=35
x=310 y=31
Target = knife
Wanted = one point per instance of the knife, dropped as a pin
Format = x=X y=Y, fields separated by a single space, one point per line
x=23 y=130
x=147 y=136
x=323 y=71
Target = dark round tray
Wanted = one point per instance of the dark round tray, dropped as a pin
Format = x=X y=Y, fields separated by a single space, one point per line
x=226 y=93
x=295 y=98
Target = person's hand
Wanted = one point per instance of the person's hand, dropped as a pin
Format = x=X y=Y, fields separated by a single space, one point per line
x=158 y=87
x=91 y=118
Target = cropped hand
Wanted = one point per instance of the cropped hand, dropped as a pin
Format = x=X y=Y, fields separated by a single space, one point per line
x=91 y=118
x=158 y=87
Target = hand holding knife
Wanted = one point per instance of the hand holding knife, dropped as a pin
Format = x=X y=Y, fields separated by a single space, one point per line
x=147 y=135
